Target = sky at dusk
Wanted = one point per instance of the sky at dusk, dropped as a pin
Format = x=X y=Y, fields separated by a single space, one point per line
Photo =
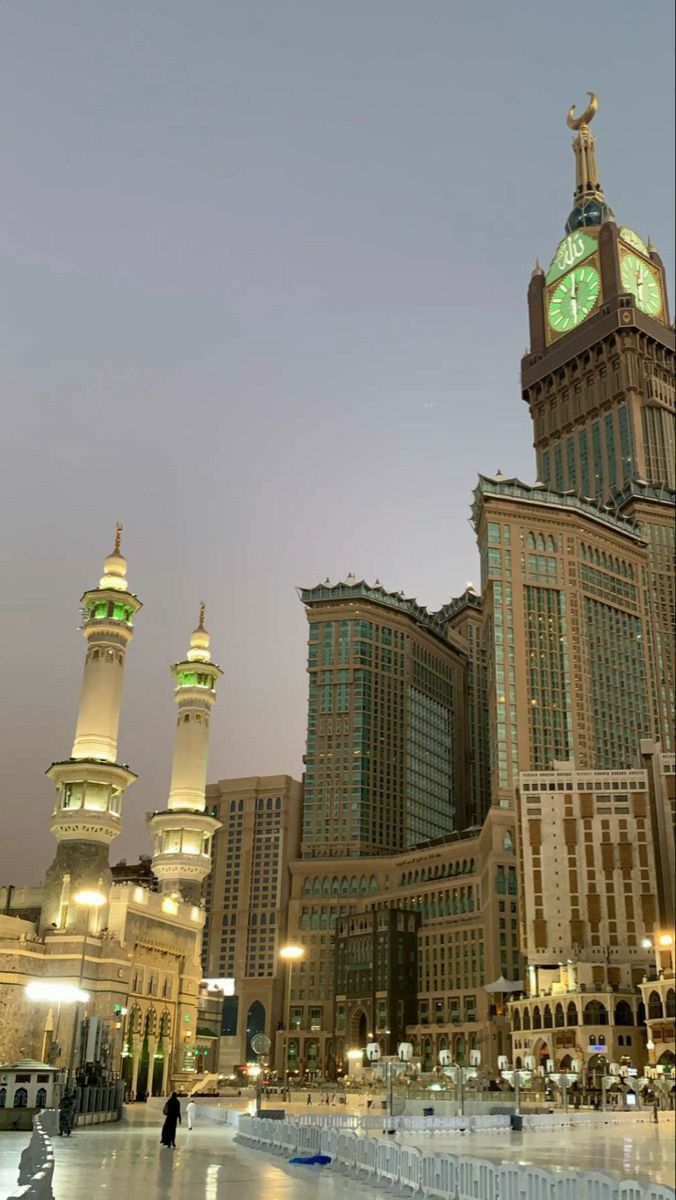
x=263 y=278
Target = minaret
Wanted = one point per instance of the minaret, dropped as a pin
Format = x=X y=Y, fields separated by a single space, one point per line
x=183 y=832
x=90 y=784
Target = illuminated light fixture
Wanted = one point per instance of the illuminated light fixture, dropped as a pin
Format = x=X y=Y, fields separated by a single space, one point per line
x=89 y=898
x=291 y=952
x=56 y=993
x=666 y=939
x=646 y=943
x=169 y=906
x=253 y=1070
x=226 y=986
x=355 y=1055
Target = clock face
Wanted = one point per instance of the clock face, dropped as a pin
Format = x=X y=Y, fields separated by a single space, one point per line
x=639 y=278
x=574 y=298
x=632 y=239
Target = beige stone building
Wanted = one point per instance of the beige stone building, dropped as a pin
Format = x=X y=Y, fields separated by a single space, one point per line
x=246 y=897
x=590 y=911
x=462 y=892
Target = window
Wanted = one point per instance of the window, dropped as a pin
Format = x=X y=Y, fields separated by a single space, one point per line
x=21 y=1098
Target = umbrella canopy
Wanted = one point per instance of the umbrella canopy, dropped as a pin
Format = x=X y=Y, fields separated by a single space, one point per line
x=503 y=985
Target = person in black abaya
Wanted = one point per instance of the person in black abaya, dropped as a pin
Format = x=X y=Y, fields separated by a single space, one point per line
x=172 y=1116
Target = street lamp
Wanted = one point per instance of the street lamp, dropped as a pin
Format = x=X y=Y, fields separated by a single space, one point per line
x=291 y=954
x=51 y=991
x=90 y=899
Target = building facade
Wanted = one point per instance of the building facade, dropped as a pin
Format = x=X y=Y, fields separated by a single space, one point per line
x=566 y=622
x=386 y=753
x=246 y=896
x=461 y=894
x=590 y=913
x=464 y=615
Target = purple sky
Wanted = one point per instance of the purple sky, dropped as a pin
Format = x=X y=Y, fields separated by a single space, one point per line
x=263 y=300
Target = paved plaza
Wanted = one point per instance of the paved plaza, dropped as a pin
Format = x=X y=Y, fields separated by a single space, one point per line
x=126 y=1160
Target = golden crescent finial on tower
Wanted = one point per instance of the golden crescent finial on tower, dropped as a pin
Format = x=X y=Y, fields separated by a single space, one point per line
x=203 y=609
x=118 y=537
x=579 y=122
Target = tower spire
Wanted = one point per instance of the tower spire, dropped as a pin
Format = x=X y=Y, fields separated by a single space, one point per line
x=90 y=783
x=118 y=536
x=589 y=203
x=183 y=832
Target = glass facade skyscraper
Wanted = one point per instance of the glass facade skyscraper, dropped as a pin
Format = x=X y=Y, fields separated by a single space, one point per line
x=386 y=749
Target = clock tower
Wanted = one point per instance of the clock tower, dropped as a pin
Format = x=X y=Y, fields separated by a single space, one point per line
x=599 y=383
x=598 y=379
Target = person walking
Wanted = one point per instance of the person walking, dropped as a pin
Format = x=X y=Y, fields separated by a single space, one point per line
x=66 y=1113
x=190 y=1109
x=172 y=1117
x=656 y=1109
x=309 y=1098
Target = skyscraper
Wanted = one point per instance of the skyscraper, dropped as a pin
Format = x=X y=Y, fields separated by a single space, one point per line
x=465 y=617
x=598 y=378
x=565 y=631
x=386 y=748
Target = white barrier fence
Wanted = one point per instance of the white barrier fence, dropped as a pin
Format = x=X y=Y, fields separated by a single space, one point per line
x=36 y=1167
x=384 y=1161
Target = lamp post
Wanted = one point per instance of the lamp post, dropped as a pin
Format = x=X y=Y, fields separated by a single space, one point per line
x=290 y=954
x=51 y=991
x=90 y=900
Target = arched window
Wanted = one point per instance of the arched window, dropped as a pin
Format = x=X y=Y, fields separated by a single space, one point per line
x=559 y=1018
x=595 y=1013
x=21 y=1098
x=317 y=887
x=335 y=886
x=344 y=886
x=354 y=886
x=526 y=1018
x=537 y=1017
x=326 y=886
x=3 y=1097
x=314 y=921
x=623 y=1013
x=307 y=887
x=654 y=1006
x=373 y=884
x=548 y=1022
x=516 y=1019
x=41 y=1098
x=671 y=1003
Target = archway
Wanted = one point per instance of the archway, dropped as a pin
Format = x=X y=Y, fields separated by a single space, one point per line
x=358 y=1029
x=255 y=1023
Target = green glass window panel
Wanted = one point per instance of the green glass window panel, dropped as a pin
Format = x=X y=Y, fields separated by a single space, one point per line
x=546 y=468
x=558 y=466
x=493 y=533
x=598 y=460
x=100 y=609
x=570 y=457
x=584 y=461
x=187 y=678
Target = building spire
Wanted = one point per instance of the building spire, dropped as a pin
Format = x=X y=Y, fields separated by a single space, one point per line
x=118 y=536
x=203 y=609
x=589 y=203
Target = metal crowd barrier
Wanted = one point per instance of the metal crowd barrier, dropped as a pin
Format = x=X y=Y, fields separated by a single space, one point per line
x=400 y=1166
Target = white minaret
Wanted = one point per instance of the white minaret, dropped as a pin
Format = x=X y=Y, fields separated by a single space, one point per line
x=90 y=784
x=183 y=832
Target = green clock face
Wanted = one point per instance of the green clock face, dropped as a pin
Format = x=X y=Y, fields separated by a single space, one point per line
x=574 y=298
x=639 y=278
